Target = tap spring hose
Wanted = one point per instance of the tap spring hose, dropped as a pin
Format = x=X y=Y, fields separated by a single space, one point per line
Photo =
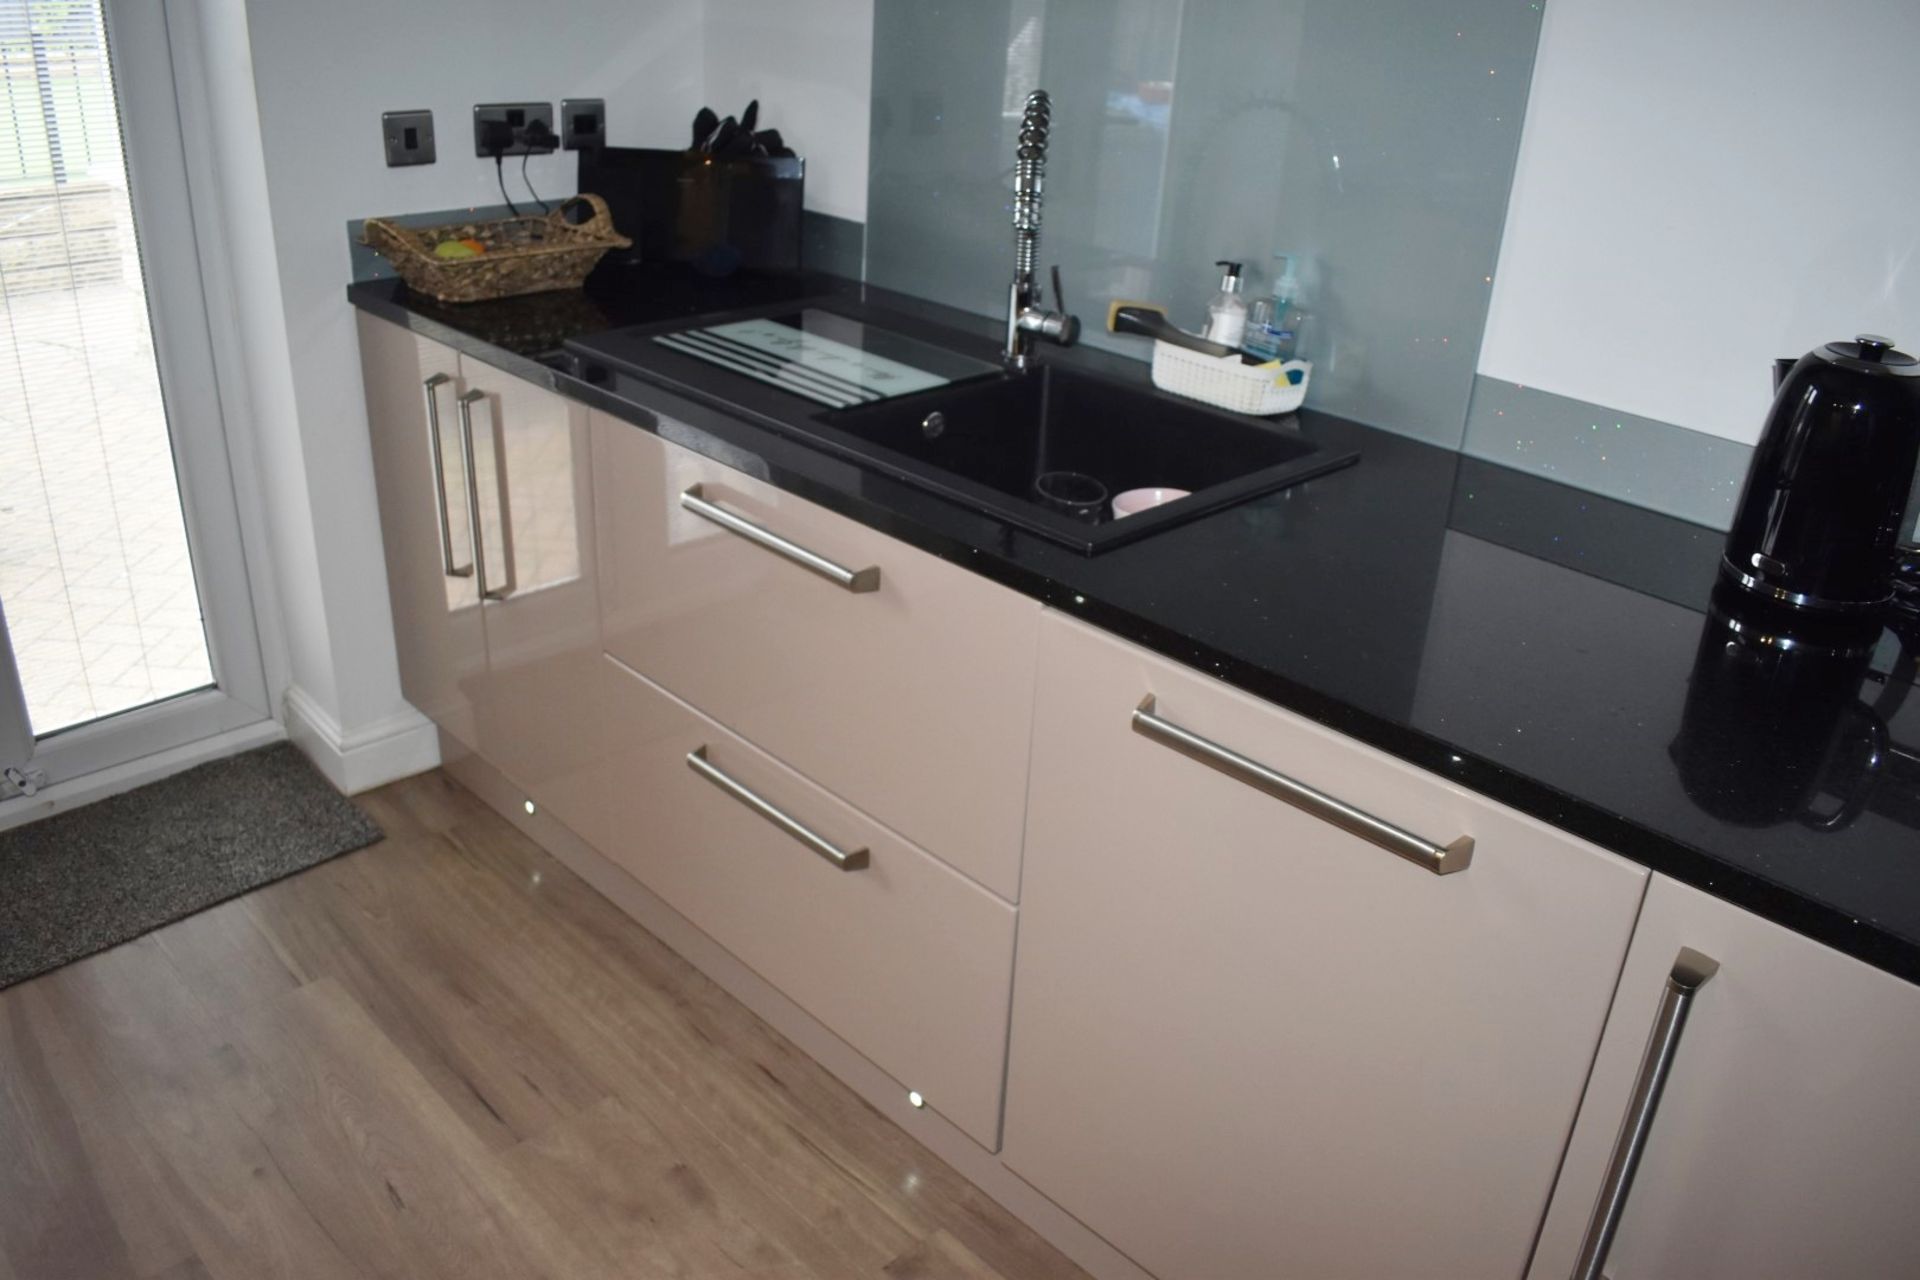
x=1029 y=175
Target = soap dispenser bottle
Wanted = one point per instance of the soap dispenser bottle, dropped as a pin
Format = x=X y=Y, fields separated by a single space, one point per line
x=1227 y=313
x=1286 y=331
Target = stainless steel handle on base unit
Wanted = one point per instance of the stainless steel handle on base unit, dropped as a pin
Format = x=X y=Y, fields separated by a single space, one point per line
x=434 y=446
x=845 y=859
x=1690 y=972
x=1441 y=859
x=858 y=581
x=466 y=403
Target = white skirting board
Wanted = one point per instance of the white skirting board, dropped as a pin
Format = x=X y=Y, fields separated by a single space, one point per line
x=386 y=751
x=887 y=1095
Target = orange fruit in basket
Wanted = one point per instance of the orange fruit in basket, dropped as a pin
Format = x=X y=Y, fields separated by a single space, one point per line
x=474 y=245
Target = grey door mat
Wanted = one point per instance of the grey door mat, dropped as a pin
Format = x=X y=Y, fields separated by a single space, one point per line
x=92 y=878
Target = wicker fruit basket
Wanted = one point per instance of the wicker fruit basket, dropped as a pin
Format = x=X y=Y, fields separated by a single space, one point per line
x=521 y=255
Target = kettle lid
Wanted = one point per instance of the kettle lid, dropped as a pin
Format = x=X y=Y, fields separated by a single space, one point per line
x=1870 y=353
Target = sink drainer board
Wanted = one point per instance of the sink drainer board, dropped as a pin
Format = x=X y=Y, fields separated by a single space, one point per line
x=830 y=359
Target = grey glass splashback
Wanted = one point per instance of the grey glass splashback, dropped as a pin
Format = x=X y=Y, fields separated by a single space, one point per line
x=1375 y=141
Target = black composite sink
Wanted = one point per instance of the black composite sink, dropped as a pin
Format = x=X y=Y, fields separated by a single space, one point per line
x=986 y=438
x=988 y=443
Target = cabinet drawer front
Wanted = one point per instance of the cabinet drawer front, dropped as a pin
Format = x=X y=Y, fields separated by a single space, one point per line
x=906 y=960
x=908 y=692
x=1249 y=1042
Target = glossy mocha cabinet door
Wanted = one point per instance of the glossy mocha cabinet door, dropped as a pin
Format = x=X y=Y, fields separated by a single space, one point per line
x=1249 y=1044
x=1785 y=1144
x=534 y=486
x=899 y=682
x=486 y=509
x=419 y=465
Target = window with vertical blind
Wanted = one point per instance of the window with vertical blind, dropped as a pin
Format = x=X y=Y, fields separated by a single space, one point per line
x=95 y=573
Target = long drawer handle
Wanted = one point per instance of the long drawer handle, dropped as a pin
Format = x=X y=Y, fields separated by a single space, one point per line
x=845 y=859
x=1690 y=972
x=858 y=581
x=1441 y=859
x=432 y=387
x=466 y=403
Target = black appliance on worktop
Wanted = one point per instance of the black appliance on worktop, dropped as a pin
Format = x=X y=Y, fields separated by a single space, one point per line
x=1818 y=529
x=1778 y=725
x=719 y=214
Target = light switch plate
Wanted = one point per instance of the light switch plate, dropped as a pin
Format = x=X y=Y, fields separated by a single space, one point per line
x=583 y=123
x=517 y=116
x=408 y=136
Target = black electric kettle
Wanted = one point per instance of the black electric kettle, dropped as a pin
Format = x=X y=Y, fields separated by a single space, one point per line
x=1818 y=529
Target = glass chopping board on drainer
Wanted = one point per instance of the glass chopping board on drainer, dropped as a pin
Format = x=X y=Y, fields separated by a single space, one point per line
x=830 y=359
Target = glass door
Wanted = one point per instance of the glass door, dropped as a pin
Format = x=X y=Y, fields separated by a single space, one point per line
x=121 y=576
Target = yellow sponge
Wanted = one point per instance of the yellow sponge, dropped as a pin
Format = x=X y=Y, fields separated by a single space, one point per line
x=1113 y=309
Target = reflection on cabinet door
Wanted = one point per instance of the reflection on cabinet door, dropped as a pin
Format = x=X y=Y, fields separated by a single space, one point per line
x=419 y=464
x=1248 y=1043
x=1785 y=1142
x=533 y=488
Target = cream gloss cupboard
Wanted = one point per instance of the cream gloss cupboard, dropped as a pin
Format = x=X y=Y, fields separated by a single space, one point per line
x=1786 y=1141
x=486 y=506
x=817 y=753
x=895 y=680
x=1249 y=1039
x=1248 y=1042
x=425 y=522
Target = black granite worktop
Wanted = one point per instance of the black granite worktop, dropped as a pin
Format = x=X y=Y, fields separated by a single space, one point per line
x=1529 y=641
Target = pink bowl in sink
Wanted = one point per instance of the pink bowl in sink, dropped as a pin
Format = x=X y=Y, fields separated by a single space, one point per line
x=1134 y=501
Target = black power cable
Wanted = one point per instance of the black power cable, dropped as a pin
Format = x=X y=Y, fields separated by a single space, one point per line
x=500 y=174
x=537 y=135
x=524 y=178
x=496 y=136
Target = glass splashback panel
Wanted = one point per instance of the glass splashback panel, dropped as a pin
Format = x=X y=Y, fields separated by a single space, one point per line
x=1375 y=142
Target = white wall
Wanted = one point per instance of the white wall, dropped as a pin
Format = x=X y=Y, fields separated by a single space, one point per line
x=811 y=66
x=1701 y=188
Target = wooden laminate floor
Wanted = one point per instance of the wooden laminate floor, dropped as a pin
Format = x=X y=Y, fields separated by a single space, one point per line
x=446 y=1056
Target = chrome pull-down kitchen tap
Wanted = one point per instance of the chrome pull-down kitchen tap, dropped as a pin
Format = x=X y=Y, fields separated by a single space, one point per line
x=1025 y=315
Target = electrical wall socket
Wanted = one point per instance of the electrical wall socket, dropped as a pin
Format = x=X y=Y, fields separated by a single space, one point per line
x=583 y=123
x=408 y=136
x=516 y=116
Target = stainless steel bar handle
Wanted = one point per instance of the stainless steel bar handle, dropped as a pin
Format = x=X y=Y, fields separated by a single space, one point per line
x=432 y=386
x=858 y=581
x=1441 y=859
x=845 y=859
x=1690 y=971
x=466 y=403
x=509 y=562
